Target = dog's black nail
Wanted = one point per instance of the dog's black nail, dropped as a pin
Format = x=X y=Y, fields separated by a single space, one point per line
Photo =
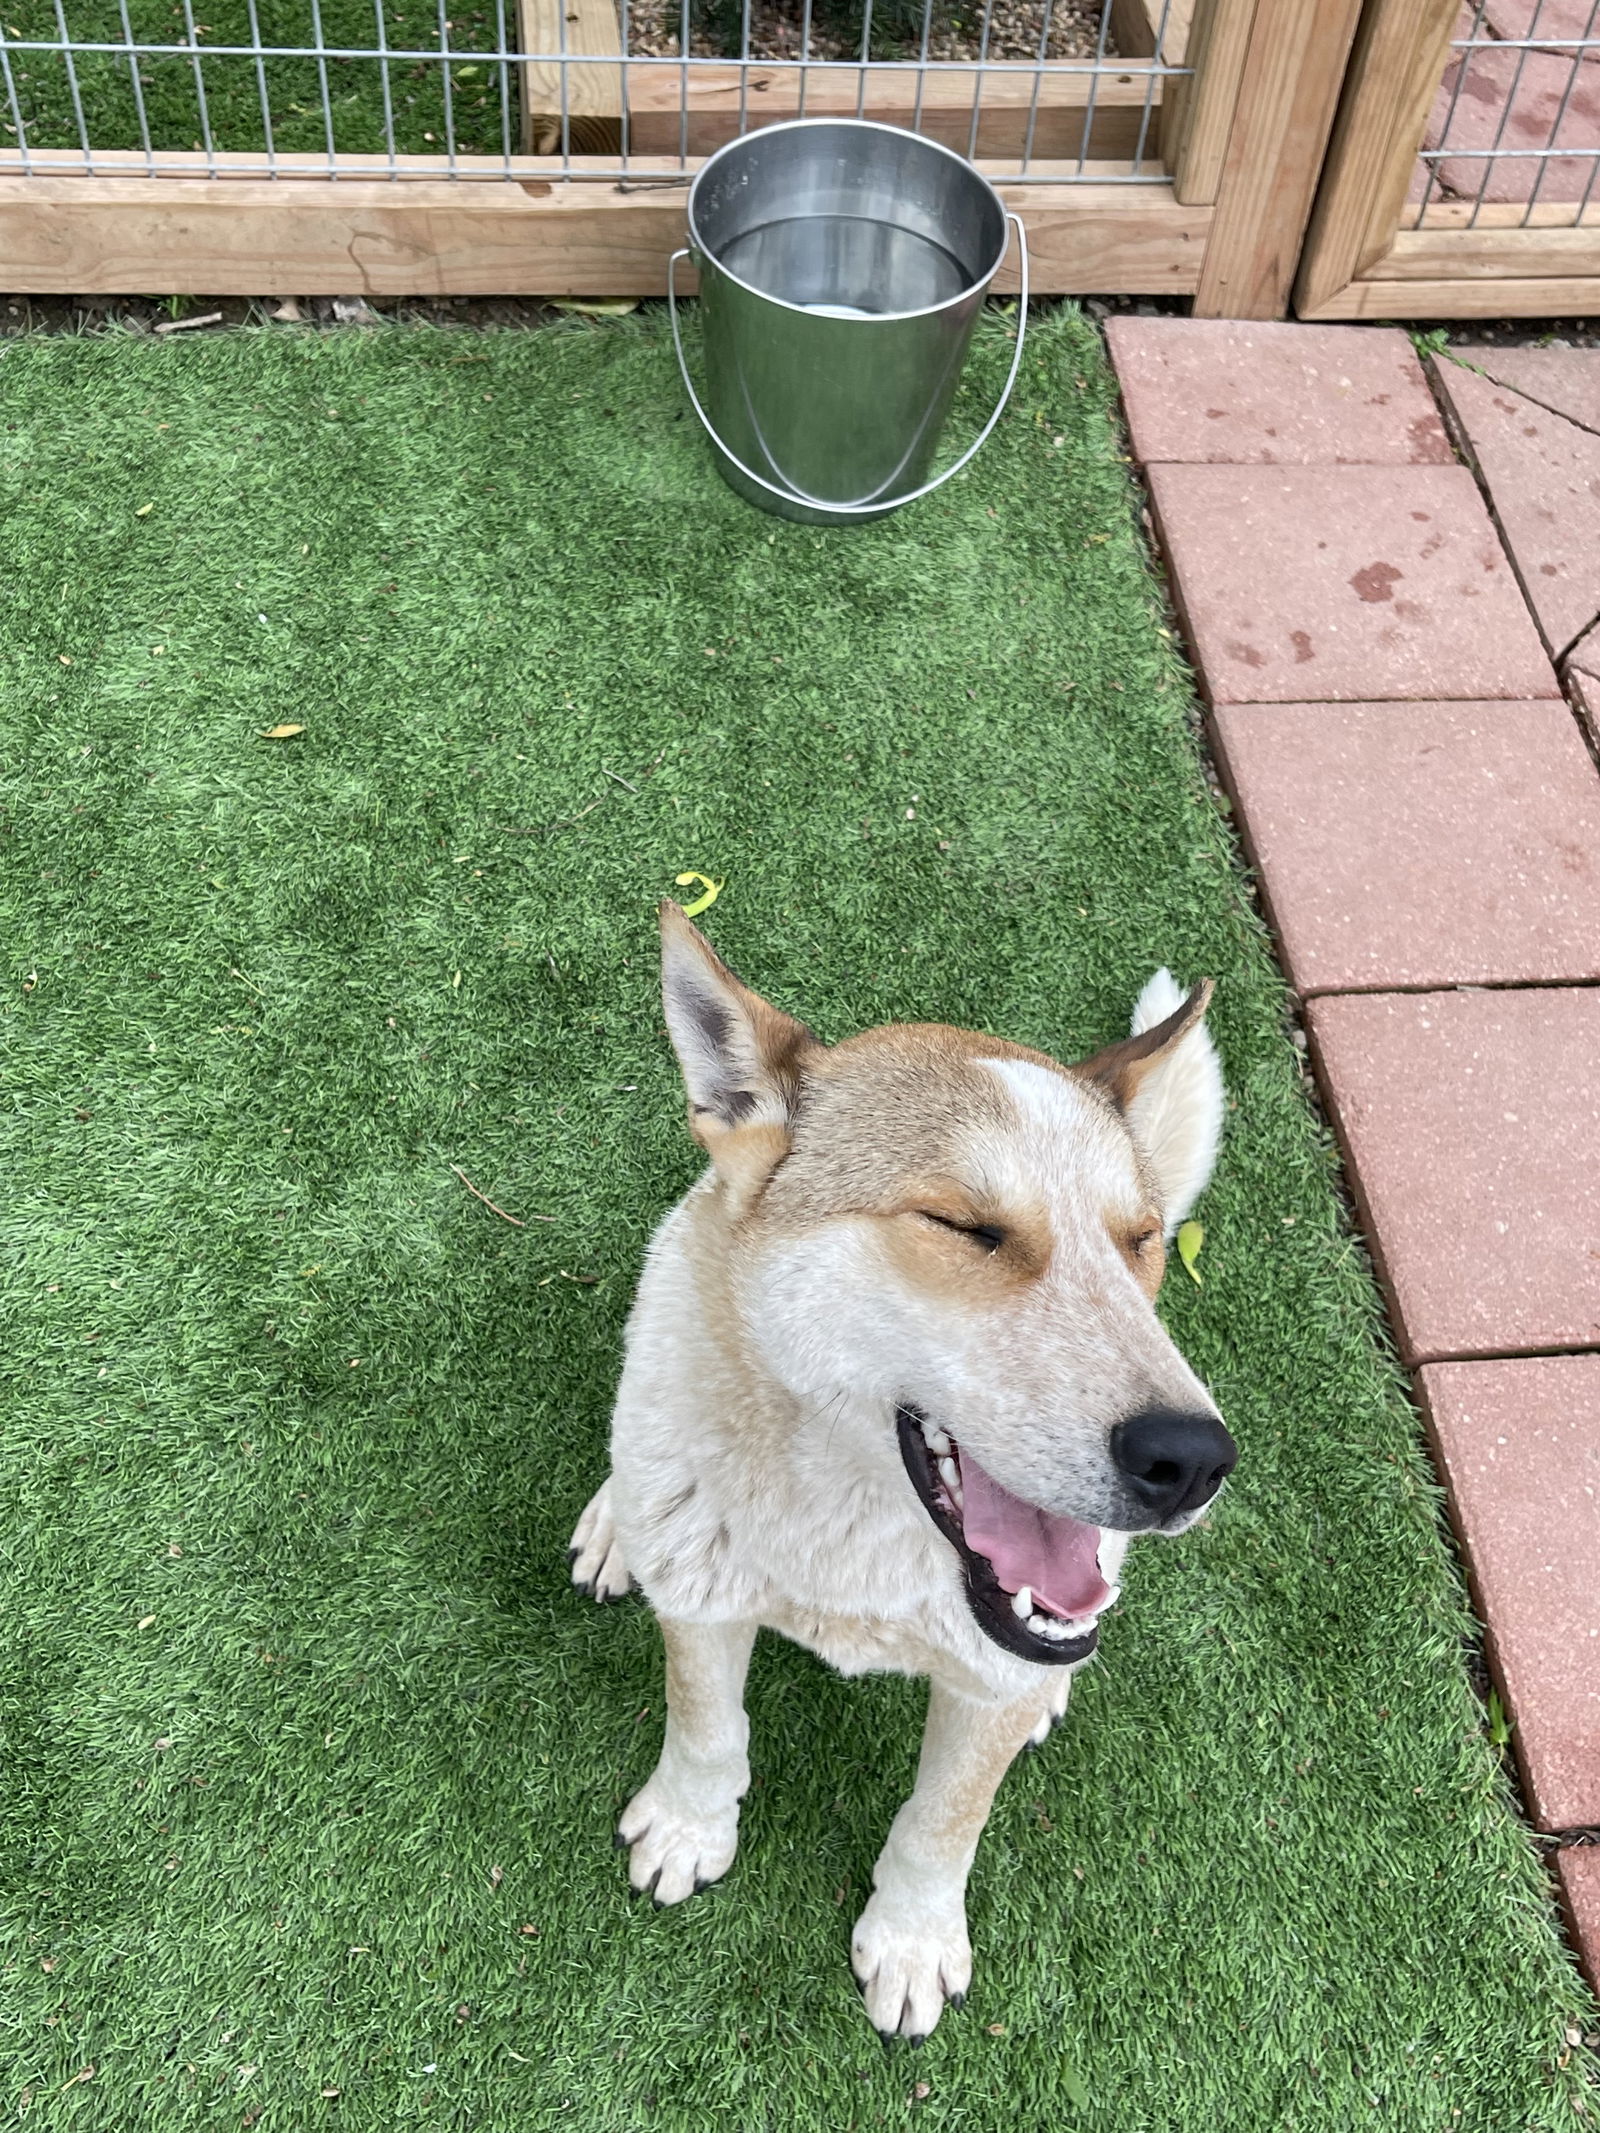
x=958 y=2000
x=619 y=1841
x=699 y=1885
x=916 y=2040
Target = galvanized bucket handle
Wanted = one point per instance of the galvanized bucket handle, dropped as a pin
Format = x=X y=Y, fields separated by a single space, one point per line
x=874 y=507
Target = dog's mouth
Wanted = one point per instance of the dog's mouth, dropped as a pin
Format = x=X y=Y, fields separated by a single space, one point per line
x=1033 y=1579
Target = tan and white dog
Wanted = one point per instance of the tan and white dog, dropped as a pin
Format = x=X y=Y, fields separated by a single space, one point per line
x=895 y=1386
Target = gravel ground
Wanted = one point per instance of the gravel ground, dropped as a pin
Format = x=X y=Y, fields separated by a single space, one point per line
x=956 y=32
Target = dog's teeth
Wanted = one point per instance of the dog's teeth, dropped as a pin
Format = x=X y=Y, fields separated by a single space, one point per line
x=1049 y=1626
x=1022 y=1602
x=950 y=1475
x=938 y=1443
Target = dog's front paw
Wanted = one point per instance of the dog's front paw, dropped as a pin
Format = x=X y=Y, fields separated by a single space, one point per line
x=673 y=1851
x=595 y=1552
x=908 y=1966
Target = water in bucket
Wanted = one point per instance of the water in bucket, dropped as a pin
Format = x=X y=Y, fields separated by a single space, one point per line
x=844 y=267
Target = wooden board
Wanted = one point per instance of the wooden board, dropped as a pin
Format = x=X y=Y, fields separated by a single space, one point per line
x=1508 y=255
x=1394 y=76
x=1139 y=26
x=1200 y=107
x=1577 y=297
x=1054 y=108
x=589 y=118
x=1506 y=215
x=537 y=235
x=1281 y=121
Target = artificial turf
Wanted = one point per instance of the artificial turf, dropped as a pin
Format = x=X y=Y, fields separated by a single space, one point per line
x=175 y=100
x=441 y=92
x=312 y=1756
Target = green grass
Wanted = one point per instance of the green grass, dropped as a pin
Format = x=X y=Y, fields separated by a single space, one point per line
x=311 y=1755
x=175 y=90
x=183 y=97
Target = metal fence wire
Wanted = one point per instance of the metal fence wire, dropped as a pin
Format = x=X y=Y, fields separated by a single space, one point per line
x=1516 y=123
x=636 y=90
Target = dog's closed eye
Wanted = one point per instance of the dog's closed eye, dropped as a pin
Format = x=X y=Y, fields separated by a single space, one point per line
x=984 y=1233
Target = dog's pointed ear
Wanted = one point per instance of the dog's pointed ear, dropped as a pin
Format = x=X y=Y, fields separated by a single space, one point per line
x=742 y=1059
x=1166 y=1081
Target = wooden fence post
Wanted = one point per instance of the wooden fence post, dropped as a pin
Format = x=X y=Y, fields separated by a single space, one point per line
x=1283 y=114
x=1394 y=77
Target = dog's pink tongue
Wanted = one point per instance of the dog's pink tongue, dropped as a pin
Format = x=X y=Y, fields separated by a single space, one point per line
x=1027 y=1546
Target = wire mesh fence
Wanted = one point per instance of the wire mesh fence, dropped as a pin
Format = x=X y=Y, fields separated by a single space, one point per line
x=1516 y=123
x=635 y=90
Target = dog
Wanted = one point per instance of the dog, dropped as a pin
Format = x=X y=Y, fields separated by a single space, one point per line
x=894 y=1386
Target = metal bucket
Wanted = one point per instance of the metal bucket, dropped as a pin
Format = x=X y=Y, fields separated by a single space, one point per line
x=842 y=266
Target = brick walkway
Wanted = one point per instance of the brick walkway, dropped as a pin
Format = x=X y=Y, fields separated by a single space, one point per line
x=1398 y=637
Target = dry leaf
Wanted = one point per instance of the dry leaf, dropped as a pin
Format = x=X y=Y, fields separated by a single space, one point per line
x=595 y=306
x=1191 y=1235
x=712 y=889
x=280 y=733
x=144 y=511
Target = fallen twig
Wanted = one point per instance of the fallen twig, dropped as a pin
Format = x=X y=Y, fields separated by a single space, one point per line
x=515 y=1220
x=182 y=325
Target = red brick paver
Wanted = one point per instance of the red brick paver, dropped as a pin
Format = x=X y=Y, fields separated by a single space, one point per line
x=1345 y=584
x=1471 y=1124
x=1566 y=380
x=1518 y=1445
x=1404 y=845
x=1506 y=99
x=1545 y=19
x=1584 y=680
x=1363 y=641
x=1543 y=477
x=1578 y=1877
x=1227 y=392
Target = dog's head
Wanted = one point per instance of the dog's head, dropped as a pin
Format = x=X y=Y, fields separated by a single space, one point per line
x=968 y=1238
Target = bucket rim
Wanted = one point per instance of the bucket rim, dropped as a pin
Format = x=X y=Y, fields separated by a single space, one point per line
x=811 y=125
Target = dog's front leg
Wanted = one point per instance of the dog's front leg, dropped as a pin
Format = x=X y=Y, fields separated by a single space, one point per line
x=910 y=1950
x=683 y=1827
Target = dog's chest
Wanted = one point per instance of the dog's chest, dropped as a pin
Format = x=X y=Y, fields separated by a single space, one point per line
x=864 y=1645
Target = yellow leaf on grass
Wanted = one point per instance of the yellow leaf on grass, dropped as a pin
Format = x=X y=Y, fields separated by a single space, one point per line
x=712 y=889
x=144 y=511
x=280 y=733
x=595 y=306
x=1191 y=1235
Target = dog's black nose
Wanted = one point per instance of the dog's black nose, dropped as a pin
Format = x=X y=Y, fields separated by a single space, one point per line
x=1172 y=1463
